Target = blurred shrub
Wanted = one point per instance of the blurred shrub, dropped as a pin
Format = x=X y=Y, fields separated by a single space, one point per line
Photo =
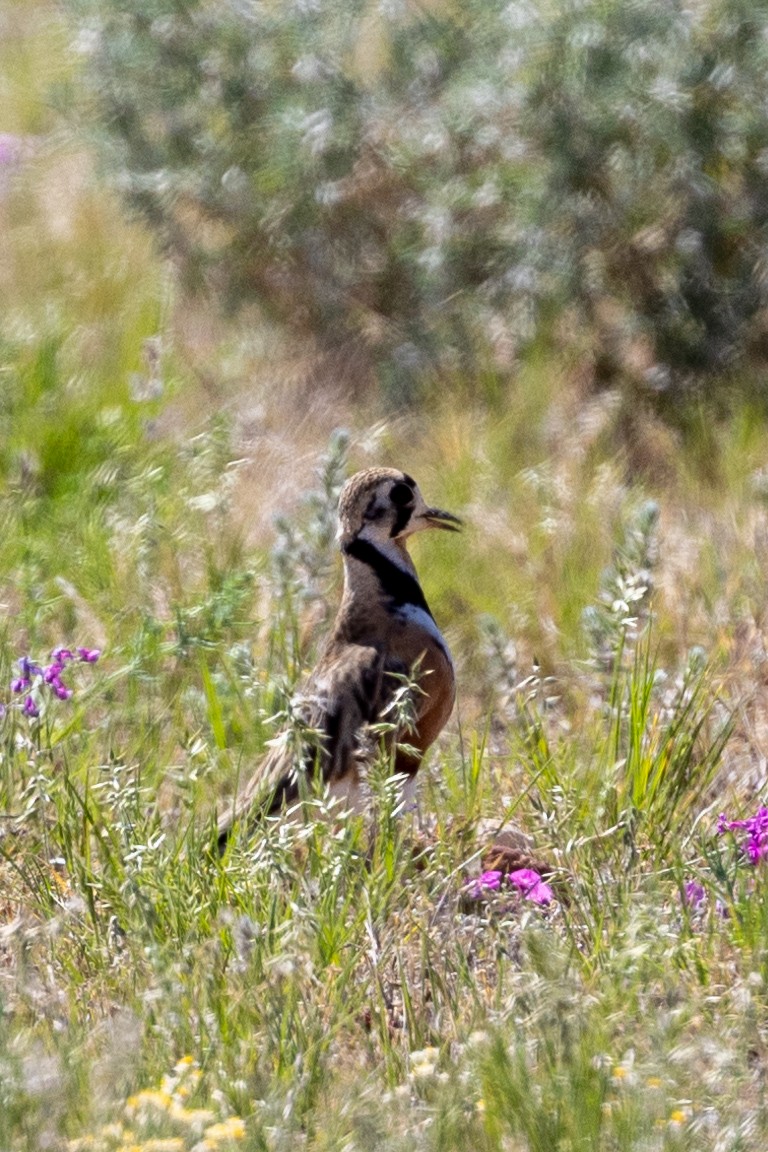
x=440 y=183
x=651 y=123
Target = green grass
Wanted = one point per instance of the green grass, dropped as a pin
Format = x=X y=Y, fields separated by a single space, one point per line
x=317 y=987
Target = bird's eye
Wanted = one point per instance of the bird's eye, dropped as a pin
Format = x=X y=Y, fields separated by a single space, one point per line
x=401 y=494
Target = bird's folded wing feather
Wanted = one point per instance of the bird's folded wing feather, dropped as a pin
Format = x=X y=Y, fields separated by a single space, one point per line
x=348 y=689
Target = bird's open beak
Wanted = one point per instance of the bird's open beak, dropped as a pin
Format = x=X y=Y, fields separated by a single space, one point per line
x=436 y=518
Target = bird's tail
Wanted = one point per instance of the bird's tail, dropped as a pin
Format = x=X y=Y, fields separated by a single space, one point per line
x=260 y=798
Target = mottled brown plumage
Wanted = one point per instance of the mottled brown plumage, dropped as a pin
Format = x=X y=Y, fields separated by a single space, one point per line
x=382 y=632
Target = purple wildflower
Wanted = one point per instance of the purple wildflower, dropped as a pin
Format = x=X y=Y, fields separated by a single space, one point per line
x=694 y=895
x=697 y=899
x=531 y=885
x=31 y=673
x=29 y=669
x=756 y=844
x=60 y=689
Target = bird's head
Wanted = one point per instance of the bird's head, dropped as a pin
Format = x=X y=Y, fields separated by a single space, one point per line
x=383 y=505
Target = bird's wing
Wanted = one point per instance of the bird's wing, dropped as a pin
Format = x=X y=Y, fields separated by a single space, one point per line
x=349 y=689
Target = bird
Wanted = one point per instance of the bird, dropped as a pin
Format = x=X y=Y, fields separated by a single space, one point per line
x=384 y=634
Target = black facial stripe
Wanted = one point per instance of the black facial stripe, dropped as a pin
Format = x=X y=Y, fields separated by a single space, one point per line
x=409 y=480
x=401 y=496
x=402 y=516
x=401 y=587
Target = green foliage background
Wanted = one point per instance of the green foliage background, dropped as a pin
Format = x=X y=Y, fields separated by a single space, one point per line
x=447 y=184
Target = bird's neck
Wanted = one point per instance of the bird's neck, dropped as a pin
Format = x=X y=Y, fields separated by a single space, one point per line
x=377 y=574
x=375 y=553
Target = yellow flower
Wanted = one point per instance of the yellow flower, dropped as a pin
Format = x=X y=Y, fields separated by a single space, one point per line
x=653 y=1082
x=190 y=1080
x=677 y=1117
x=231 y=1129
x=194 y=1117
x=163 y=1144
x=81 y=1143
x=184 y=1063
x=148 y=1098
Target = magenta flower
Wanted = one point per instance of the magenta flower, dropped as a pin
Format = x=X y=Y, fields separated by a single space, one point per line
x=756 y=844
x=20 y=684
x=488 y=882
x=61 y=655
x=52 y=672
x=89 y=655
x=531 y=885
x=30 y=708
x=527 y=882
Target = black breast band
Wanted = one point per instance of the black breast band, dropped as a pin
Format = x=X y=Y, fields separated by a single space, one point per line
x=401 y=587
